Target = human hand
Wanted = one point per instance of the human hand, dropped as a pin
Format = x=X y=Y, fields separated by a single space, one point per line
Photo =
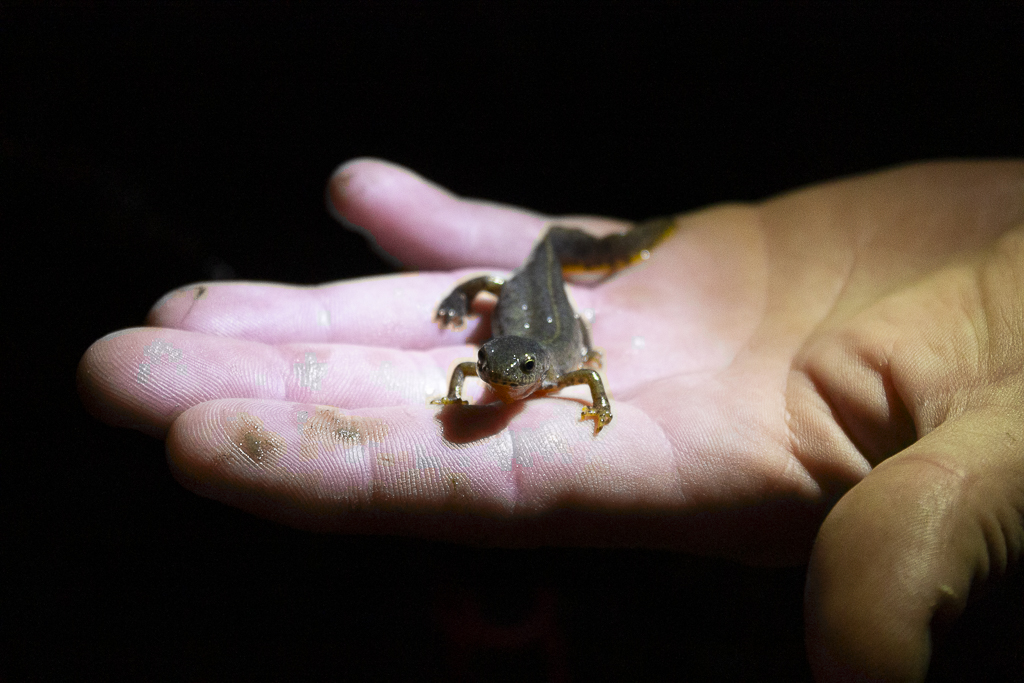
x=760 y=364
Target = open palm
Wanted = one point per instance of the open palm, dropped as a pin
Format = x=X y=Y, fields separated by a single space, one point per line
x=840 y=366
x=751 y=364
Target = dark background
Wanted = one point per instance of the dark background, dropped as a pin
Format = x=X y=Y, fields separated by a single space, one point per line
x=146 y=146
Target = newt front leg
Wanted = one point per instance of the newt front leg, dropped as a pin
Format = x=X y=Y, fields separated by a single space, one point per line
x=455 y=307
x=454 y=397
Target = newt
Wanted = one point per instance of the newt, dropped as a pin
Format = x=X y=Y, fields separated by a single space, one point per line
x=539 y=343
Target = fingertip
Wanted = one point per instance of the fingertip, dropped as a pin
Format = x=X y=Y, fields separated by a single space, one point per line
x=358 y=188
x=354 y=176
x=171 y=309
x=335 y=192
x=99 y=381
x=371 y=165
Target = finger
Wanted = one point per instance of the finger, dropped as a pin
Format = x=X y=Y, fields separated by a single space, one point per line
x=391 y=311
x=394 y=470
x=144 y=378
x=425 y=226
x=902 y=549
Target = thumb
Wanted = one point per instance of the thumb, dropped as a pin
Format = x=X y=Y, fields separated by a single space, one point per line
x=902 y=549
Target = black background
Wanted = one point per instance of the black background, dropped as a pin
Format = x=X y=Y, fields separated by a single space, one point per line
x=145 y=146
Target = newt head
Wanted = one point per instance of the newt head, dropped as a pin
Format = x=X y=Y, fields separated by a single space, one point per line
x=514 y=367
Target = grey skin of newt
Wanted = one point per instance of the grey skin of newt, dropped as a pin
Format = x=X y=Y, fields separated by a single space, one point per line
x=539 y=343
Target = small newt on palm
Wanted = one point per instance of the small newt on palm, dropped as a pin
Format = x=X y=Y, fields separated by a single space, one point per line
x=539 y=343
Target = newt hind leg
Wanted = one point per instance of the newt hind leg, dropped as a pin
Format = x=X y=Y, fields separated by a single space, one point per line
x=601 y=411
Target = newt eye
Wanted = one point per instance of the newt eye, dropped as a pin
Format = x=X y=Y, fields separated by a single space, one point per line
x=527 y=365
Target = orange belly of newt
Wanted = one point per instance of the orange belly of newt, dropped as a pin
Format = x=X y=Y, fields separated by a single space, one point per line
x=510 y=394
